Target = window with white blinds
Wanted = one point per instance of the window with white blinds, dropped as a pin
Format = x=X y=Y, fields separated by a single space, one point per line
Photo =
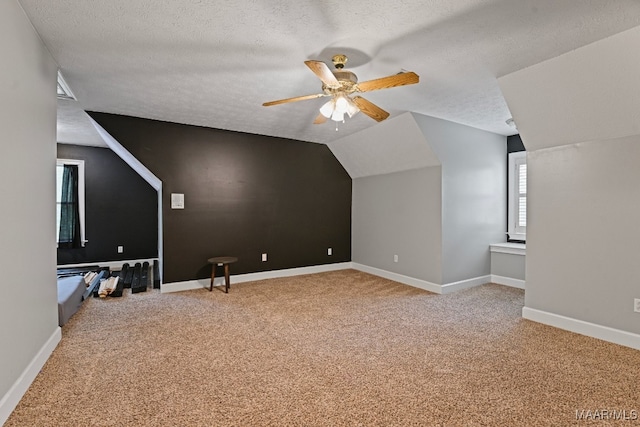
x=517 y=196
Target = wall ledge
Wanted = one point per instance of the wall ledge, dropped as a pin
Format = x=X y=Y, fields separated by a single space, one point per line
x=605 y=333
x=11 y=399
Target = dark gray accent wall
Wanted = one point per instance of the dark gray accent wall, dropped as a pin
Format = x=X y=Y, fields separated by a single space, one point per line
x=514 y=144
x=244 y=195
x=121 y=209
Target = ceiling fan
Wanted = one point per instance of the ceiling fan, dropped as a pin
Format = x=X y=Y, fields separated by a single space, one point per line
x=341 y=84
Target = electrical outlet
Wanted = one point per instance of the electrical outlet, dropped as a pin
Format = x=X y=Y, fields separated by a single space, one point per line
x=329 y=251
x=636 y=305
x=264 y=257
x=395 y=258
x=120 y=249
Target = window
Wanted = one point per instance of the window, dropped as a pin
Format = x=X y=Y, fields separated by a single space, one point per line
x=517 y=216
x=70 y=227
x=64 y=92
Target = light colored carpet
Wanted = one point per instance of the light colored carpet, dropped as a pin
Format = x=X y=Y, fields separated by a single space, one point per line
x=334 y=349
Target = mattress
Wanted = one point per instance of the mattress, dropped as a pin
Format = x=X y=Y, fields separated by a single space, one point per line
x=70 y=291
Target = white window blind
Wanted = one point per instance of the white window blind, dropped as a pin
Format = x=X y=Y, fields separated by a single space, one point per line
x=517 y=196
x=522 y=195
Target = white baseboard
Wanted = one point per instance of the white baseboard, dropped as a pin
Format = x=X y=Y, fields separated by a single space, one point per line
x=581 y=327
x=423 y=284
x=508 y=281
x=411 y=281
x=250 y=277
x=447 y=288
x=113 y=265
x=11 y=399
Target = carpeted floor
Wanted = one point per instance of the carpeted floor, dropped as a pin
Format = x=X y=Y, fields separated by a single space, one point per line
x=334 y=349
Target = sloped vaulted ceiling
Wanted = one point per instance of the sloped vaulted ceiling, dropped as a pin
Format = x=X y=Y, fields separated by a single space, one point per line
x=394 y=145
x=213 y=63
x=591 y=93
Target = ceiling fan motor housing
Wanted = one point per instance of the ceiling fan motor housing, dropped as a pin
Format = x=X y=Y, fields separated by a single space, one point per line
x=347 y=81
x=339 y=61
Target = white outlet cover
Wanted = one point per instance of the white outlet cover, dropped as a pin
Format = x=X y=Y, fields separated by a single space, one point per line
x=636 y=305
x=329 y=251
x=264 y=257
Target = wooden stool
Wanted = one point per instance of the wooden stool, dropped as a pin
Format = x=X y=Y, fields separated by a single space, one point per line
x=225 y=261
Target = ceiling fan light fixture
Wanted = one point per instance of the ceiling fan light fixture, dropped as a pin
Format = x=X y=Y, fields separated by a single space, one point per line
x=327 y=109
x=337 y=107
x=352 y=108
x=342 y=104
x=337 y=116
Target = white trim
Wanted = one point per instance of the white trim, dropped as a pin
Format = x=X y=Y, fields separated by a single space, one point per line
x=141 y=170
x=250 y=277
x=509 y=248
x=448 y=288
x=416 y=283
x=113 y=265
x=593 y=330
x=160 y=247
x=68 y=94
x=129 y=159
x=11 y=399
x=508 y=281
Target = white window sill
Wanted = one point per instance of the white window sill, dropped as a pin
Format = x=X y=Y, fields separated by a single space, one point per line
x=509 y=248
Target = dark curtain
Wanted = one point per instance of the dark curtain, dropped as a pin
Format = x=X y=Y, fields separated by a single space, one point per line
x=69 y=209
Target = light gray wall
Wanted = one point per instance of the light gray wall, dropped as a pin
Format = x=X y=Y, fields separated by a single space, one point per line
x=474 y=193
x=399 y=214
x=28 y=306
x=583 y=238
x=439 y=220
x=508 y=265
x=578 y=117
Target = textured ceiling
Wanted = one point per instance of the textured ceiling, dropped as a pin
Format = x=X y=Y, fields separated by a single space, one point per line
x=214 y=63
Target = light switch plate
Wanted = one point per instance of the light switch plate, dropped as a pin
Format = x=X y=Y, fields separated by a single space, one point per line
x=177 y=201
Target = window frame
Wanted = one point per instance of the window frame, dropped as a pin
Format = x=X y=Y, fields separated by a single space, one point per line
x=515 y=231
x=81 y=198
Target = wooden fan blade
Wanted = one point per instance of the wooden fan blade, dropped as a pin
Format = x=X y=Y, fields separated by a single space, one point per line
x=401 y=79
x=323 y=72
x=370 y=109
x=295 y=99
x=320 y=120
